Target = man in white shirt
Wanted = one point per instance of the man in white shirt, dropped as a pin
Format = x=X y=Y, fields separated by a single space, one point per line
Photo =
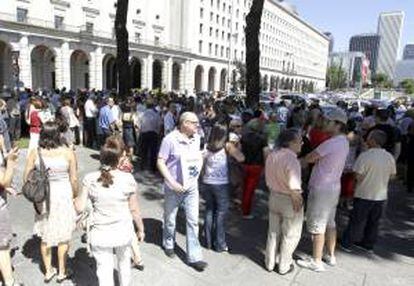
x=373 y=169
x=150 y=127
x=91 y=112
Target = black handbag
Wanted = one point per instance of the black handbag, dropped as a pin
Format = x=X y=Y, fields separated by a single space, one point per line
x=37 y=188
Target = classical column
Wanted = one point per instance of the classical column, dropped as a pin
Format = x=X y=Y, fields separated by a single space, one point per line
x=181 y=80
x=188 y=77
x=25 y=62
x=205 y=79
x=169 y=74
x=147 y=71
x=62 y=66
x=96 y=69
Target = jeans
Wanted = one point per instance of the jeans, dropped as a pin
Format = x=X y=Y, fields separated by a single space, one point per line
x=285 y=229
x=149 y=148
x=363 y=224
x=217 y=206
x=105 y=264
x=14 y=128
x=90 y=131
x=189 y=200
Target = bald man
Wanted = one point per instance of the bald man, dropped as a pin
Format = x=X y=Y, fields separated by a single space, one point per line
x=180 y=162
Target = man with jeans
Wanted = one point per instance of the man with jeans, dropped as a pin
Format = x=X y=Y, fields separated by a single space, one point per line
x=179 y=162
x=324 y=190
x=373 y=170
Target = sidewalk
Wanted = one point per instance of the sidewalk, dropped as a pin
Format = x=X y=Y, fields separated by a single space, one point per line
x=392 y=264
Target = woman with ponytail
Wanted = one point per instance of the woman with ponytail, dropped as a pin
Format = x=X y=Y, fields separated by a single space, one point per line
x=114 y=200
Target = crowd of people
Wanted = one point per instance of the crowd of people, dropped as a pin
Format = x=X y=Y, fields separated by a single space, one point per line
x=314 y=159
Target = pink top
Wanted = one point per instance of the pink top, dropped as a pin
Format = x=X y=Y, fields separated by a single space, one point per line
x=326 y=174
x=283 y=171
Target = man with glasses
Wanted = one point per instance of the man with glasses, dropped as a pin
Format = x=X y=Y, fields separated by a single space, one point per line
x=180 y=162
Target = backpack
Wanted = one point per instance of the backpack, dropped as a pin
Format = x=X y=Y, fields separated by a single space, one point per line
x=37 y=188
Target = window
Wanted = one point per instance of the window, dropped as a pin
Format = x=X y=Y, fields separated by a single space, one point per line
x=157 y=17
x=138 y=11
x=211 y=32
x=138 y=37
x=210 y=48
x=227 y=53
x=156 y=40
x=218 y=19
x=200 y=47
x=211 y=16
x=222 y=51
x=201 y=28
x=58 y=22
x=201 y=13
x=21 y=15
x=216 y=50
x=89 y=27
x=217 y=33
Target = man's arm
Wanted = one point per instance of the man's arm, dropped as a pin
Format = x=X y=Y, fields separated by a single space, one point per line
x=170 y=181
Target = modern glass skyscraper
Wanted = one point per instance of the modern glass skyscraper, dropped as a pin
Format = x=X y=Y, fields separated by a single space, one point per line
x=390 y=25
x=408 y=52
x=369 y=45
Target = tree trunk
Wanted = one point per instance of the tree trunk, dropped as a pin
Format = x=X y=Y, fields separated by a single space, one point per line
x=253 y=22
x=122 y=53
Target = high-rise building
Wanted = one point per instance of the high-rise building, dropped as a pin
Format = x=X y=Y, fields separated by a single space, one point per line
x=390 y=25
x=368 y=44
x=331 y=41
x=351 y=63
x=408 y=52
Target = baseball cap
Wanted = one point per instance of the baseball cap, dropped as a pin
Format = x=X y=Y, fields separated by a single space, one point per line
x=336 y=114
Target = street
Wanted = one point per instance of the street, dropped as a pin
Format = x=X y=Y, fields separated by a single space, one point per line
x=392 y=263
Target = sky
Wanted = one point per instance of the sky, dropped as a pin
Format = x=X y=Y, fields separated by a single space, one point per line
x=345 y=18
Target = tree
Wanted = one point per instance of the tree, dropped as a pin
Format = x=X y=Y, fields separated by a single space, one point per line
x=122 y=52
x=381 y=80
x=252 y=31
x=336 y=77
x=408 y=86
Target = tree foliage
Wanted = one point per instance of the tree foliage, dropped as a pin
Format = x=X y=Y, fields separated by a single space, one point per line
x=336 y=77
x=253 y=24
x=240 y=82
x=381 y=80
x=122 y=53
x=408 y=86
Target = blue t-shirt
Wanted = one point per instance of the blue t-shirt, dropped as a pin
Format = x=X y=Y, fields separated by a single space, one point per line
x=106 y=118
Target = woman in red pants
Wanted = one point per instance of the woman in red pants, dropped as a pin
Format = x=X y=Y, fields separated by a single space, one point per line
x=253 y=142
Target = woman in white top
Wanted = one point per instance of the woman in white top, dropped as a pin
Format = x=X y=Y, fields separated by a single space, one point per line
x=114 y=199
x=215 y=187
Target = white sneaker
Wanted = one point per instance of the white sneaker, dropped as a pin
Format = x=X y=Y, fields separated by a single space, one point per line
x=311 y=265
x=330 y=260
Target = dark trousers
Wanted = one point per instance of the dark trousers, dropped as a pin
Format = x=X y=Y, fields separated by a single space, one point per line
x=149 y=150
x=363 y=224
x=14 y=128
x=90 y=131
x=217 y=205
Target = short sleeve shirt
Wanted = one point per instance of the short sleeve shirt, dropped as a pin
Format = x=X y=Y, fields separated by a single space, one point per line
x=106 y=117
x=111 y=218
x=173 y=146
x=327 y=172
x=283 y=171
x=375 y=167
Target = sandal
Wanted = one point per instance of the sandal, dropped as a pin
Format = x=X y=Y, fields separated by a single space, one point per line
x=48 y=278
x=138 y=265
x=67 y=276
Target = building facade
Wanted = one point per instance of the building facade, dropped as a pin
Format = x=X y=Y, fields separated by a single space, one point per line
x=390 y=25
x=352 y=63
x=181 y=45
x=369 y=45
x=408 y=52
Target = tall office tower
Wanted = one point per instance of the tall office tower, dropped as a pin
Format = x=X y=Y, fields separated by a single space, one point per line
x=390 y=25
x=369 y=45
x=408 y=52
x=331 y=41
